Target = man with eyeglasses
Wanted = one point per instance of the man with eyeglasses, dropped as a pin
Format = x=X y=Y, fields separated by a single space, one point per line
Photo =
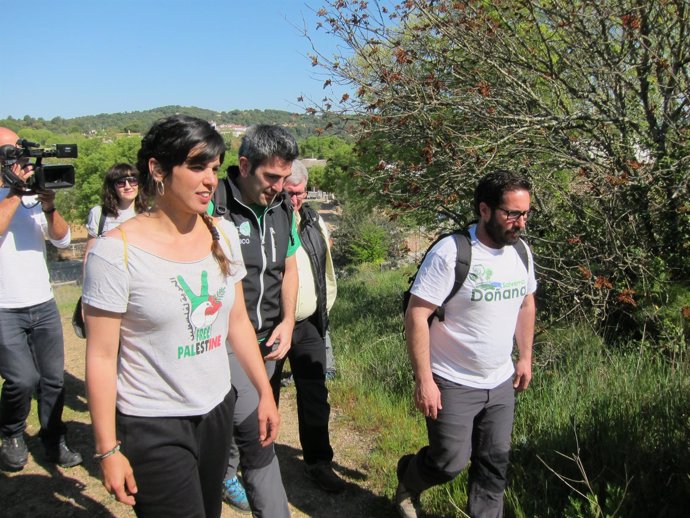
x=465 y=380
x=315 y=297
x=31 y=342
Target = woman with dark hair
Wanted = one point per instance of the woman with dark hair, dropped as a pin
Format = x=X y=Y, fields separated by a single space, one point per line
x=162 y=292
x=121 y=200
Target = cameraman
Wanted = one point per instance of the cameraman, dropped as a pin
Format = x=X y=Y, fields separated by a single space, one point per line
x=32 y=353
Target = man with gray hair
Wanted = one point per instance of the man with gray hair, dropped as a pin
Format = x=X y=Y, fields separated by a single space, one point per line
x=252 y=197
x=315 y=297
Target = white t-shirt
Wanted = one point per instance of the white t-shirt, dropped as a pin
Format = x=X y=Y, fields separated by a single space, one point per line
x=110 y=222
x=473 y=345
x=172 y=359
x=24 y=277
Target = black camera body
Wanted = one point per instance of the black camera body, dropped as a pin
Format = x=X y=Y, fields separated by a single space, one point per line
x=45 y=177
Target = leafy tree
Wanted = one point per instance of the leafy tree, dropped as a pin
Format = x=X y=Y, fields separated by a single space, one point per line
x=590 y=97
x=323 y=147
x=316 y=175
x=95 y=158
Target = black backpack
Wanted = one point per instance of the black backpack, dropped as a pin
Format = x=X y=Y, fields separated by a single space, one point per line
x=463 y=244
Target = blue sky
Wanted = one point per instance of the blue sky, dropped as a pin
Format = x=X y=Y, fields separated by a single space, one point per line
x=85 y=57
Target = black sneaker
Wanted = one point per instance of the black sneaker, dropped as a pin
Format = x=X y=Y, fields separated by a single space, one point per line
x=322 y=473
x=13 y=453
x=62 y=455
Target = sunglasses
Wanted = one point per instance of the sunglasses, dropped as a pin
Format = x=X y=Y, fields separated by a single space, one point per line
x=121 y=182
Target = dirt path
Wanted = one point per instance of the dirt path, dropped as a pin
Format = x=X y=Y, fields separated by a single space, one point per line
x=41 y=490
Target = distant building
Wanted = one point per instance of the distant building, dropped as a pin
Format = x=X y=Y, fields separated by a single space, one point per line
x=233 y=129
x=312 y=162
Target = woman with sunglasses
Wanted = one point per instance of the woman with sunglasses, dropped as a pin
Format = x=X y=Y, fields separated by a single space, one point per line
x=162 y=293
x=121 y=200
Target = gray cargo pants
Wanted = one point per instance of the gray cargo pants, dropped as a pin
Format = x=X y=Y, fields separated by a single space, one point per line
x=474 y=425
x=260 y=469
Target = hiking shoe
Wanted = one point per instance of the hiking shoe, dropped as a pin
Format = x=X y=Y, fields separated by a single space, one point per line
x=406 y=502
x=61 y=454
x=322 y=473
x=13 y=453
x=235 y=495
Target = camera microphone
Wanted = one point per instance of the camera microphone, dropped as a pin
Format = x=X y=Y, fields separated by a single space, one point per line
x=26 y=143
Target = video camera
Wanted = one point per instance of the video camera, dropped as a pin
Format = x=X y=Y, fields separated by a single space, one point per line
x=49 y=176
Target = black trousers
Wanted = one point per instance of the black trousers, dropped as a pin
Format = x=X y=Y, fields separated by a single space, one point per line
x=178 y=462
x=307 y=357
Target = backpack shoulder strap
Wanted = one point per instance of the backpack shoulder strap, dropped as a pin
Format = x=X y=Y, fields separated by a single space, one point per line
x=101 y=222
x=463 y=259
x=521 y=249
x=287 y=206
x=220 y=198
x=309 y=215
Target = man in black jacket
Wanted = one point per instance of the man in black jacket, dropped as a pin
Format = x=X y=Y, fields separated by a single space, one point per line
x=252 y=198
x=315 y=296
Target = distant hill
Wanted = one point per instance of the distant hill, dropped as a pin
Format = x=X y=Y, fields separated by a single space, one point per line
x=301 y=125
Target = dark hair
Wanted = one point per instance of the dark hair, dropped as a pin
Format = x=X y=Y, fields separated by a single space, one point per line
x=264 y=142
x=495 y=184
x=169 y=141
x=109 y=197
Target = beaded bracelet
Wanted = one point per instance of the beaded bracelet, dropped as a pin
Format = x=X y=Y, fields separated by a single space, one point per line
x=112 y=451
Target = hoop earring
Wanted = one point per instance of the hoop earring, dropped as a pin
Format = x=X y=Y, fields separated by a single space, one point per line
x=160 y=188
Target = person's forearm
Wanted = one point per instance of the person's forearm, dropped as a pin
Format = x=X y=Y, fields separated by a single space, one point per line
x=524 y=329
x=8 y=207
x=101 y=389
x=57 y=226
x=102 y=350
x=417 y=337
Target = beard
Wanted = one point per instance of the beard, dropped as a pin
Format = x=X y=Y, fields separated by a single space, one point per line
x=500 y=235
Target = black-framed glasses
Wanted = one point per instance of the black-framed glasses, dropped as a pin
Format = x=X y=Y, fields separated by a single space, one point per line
x=121 y=182
x=298 y=195
x=514 y=215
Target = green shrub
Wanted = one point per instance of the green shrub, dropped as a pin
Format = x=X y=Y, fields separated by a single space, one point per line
x=365 y=236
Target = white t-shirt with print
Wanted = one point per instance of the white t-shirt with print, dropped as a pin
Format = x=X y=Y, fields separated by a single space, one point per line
x=473 y=345
x=110 y=221
x=172 y=359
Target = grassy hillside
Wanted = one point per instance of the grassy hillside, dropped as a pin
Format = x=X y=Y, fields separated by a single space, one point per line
x=601 y=431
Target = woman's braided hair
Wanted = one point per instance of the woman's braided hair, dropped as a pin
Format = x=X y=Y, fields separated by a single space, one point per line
x=216 y=249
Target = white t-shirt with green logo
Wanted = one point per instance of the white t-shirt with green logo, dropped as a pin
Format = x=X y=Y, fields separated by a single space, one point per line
x=473 y=345
x=173 y=360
